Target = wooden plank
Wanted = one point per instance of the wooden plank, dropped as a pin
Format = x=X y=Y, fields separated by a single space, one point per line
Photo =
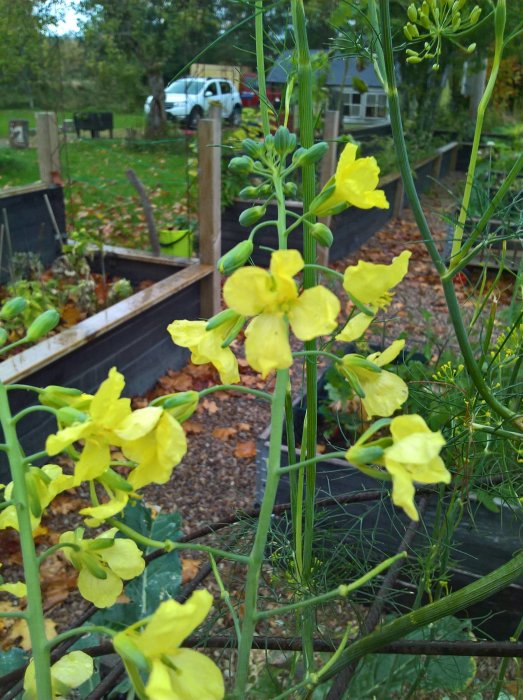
x=209 y=210
x=23 y=189
x=17 y=367
x=328 y=168
x=48 y=147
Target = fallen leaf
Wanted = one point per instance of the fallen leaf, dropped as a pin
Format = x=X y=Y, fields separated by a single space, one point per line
x=210 y=406
x=191 y=426
x=64 y=503
x=244 y=426
x=224 y=433
x=245 y=450
x=190 y=568
x=19 y=634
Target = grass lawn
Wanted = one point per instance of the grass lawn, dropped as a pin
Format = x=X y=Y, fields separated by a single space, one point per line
x=99 y=196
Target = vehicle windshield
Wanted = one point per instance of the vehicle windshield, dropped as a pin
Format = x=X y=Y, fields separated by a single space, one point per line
x=185 y=86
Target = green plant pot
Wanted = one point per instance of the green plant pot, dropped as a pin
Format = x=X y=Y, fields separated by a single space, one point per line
x=176 y=242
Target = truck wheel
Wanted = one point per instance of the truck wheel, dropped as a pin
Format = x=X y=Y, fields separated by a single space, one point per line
x=194 y=118
x=236 y=116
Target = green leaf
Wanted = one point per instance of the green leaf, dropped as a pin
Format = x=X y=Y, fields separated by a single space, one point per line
x=12 y=659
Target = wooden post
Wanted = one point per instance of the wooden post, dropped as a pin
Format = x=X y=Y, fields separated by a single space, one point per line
x=215 y=112
x=209 y=211
x=328 y=168
x=48 y=147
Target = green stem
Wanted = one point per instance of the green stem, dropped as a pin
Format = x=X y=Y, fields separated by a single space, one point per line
x=341 y=591
x=466 y=253
x=13 y=615
x=260 y=538
x=224 y=594
x=79 y=632
x=306 y=117
x=55 y=548
x=475 y=592
x=33 y=409
x=496 y=431
x=34 y=611
x=317 y=353
x=260 y=67
x=233 y=387
x=312 y=460
x=325 y=270
x=499 y=23
x=36 y=455
x=170 y=546
x=504 y=664
x=406 y=173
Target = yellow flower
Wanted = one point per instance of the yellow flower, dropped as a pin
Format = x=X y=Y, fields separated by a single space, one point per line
x=68 y=672
x=355 y=183
x=371 y=283
x=106 y=411
x=175 y=673
x=153 y=439
x=102 y=563
x=413 y=457
x=43 y=484
x=18 y=589
x=383 y=392
x=206 y=346
x=272 y=297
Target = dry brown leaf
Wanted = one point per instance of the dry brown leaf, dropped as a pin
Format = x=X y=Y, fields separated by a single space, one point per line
x=190 y=426
x=18 y=634
x=245 y=450
x=224 y=433
x=244 y=426
x=71 y=315
x=210 y=406
x=64 y=503
x=190 y=568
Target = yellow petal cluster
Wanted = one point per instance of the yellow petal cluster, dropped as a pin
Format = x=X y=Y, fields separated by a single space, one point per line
x=43 y=484
x=384 y=391
x=106 y=411
x=413 y=457
x=68 y=672
x=371 y=284
x=103 y=564
x=355 y=183
x=175 y=673
x=206 y=346
x=272 y=298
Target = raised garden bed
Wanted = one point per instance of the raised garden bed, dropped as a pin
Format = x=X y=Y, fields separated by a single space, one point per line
x=130 y=335
x=353 y=227
x=369 y=525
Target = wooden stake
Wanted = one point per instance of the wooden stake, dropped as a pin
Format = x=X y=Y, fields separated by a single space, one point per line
x=48 y=147
x=328 y=168
x=147 y=209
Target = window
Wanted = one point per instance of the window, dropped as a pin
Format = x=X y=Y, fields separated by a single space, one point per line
x=376 y=105
x=212 y=88
x=352 y=104
x=225 y=88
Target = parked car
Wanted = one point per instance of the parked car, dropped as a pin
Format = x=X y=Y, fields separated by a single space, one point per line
x=189 y=99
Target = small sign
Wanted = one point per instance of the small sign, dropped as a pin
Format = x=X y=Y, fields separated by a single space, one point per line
x=19 y=133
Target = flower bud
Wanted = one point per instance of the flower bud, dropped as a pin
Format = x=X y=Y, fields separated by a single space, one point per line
x=474 y=15
x=12 y=307
x=269 y=143
x=115 y=482
x=322 y=234
x=248 y=218
x=42 y=325
x=413 y=59
x=313 y=154
x=241 y=165
x=456 y=21
x=58 y=396
x=471 y=48
x=364 y=455
x=67 y=415
x=412 y=13
x=298 y=154
x=217 y=320
x=249 y=192
x=127 y=649
x=283 y=142
x=180 y=406
x=290 y=189
x=239 y=255
x=233 y=332
x=252 y=148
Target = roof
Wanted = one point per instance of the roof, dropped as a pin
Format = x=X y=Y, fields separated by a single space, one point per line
x=279 y=73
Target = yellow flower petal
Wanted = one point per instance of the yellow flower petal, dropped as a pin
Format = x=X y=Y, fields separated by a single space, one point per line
x=355 y=328
x=402 y=490
x=101 y=592
x=17 y=589
x=97 y=514
x=124 y=558
x=314 y=313
x=267 y=343
x=249 y=290
x=139 y=423
x=186 y=333
x=371 y=283
x=196 y=677
x=388 y=355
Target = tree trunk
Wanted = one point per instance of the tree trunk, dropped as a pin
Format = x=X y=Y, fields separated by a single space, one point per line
x=156 y=125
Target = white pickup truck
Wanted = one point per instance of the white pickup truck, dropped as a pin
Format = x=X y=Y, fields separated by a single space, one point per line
x=189 y=99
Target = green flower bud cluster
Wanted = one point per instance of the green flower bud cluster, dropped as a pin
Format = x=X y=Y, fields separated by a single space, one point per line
x=433 y=20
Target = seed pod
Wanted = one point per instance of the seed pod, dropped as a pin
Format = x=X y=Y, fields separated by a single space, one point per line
x=411 y=52
x=414 y=59
x=12 y=307
x=116 y=482
x=67 y=415
x=3 y=336
x=412 y=13
x=249 y=217
x=241 y=165
x=242 y=251
x=92 y=565
x=313 y=154
x=322 y=234
x=407 y=33
x=42 y=325
x=253 y=148
x=233 y=332
x=214 y=322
